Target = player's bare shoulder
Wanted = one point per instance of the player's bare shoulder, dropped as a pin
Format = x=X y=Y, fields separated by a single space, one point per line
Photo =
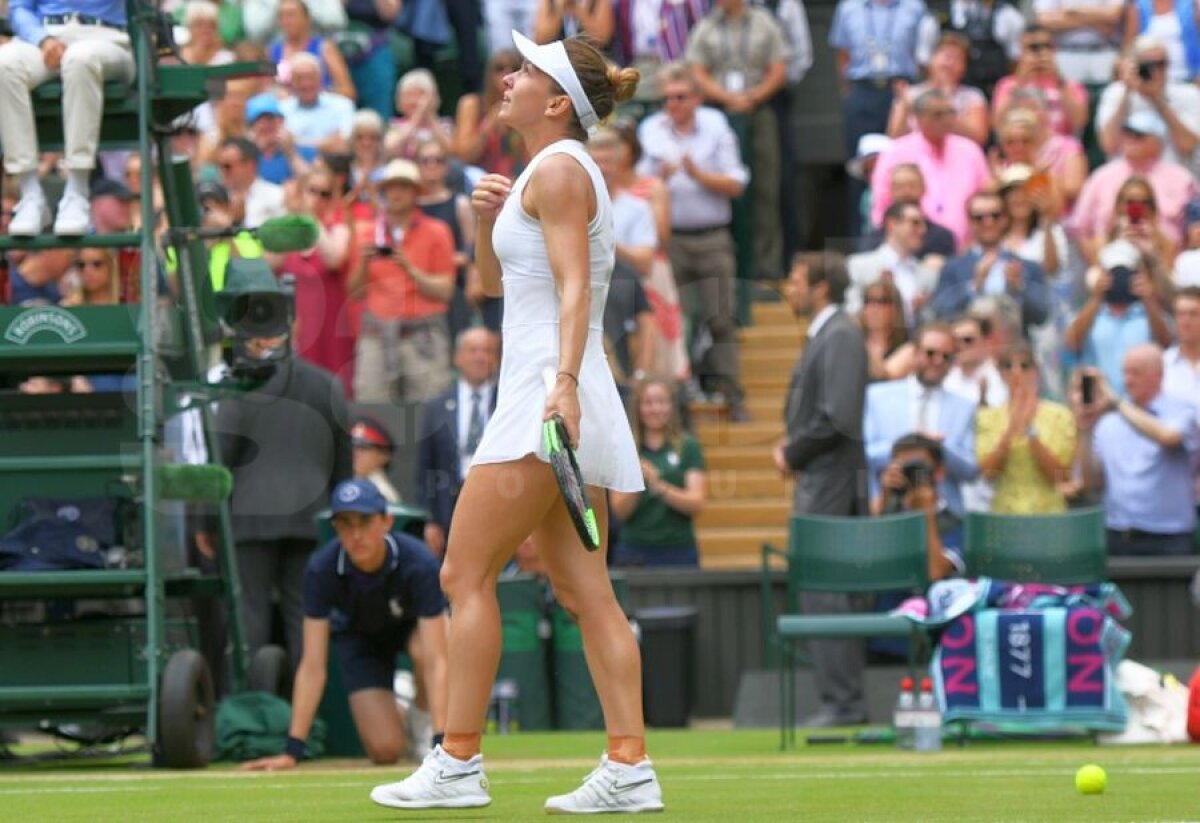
x=558 y=187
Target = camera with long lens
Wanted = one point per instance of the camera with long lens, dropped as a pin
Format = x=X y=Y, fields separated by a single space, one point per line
x=257 y=311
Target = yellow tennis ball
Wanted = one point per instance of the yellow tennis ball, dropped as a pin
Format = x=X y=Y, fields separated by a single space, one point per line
x=1091 y=779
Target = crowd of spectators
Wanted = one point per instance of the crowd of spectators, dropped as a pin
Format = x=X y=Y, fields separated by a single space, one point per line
x=1024 y=217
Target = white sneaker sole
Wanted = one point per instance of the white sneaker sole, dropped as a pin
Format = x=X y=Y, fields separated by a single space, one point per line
x=383 y=799
x=648 y=808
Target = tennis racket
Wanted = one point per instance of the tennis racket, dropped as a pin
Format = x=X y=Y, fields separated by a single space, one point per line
x=566 y=472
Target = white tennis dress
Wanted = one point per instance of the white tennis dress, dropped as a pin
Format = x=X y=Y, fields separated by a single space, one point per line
x=607 y=455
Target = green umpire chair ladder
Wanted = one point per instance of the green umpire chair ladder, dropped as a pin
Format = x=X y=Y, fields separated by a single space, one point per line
x=851 y=555
x=1067 y=548
x=137 y=673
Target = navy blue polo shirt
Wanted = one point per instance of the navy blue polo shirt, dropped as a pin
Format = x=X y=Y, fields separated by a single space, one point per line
x=391 y=599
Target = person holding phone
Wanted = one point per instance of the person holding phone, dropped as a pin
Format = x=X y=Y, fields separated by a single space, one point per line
x=1025 y=446
x=406 y=269
x=1140 y=450
x=1143 y=139
x=1123 y=310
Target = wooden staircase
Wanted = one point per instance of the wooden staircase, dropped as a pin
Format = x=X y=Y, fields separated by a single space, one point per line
x=748 y=502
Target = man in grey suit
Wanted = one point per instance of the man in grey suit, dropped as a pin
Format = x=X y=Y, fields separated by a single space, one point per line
x=824 y=448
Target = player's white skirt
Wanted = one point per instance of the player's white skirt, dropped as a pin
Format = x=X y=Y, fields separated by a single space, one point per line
x=607 y=455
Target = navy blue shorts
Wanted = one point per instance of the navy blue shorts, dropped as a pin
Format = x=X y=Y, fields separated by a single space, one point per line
x=369 y=661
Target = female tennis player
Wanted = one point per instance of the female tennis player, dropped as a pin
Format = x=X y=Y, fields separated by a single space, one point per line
x=548 y=238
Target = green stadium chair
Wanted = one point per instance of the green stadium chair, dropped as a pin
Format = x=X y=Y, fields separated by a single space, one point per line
x=1066 y=548
x=840 y=554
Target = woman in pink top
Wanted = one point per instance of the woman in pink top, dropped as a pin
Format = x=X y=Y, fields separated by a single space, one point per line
x=947 y=67
x=1024 y=138
x=1066 y=101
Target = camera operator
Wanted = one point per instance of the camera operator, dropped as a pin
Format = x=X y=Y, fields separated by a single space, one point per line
x=294 y=425
x=910 y=483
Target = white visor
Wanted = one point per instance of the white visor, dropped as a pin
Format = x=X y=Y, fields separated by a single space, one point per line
x=552 y=59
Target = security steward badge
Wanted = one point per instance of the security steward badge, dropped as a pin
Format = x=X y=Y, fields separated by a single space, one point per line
x=673 y=458
x=396 y=608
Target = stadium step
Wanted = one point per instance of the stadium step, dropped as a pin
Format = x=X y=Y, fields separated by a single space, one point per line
x=738 y=457
x=772 y=313
x=744 y=513
x=737 y=546
x=745 y=484
x=754 y=433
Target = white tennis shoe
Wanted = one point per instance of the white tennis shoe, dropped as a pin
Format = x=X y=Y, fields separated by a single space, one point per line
x=441 y=782
x=612 y=788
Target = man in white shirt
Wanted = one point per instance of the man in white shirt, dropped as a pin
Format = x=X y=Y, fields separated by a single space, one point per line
x=253 y=199
x=695 y=152
x=974 y=374
x=315 y=118
x=896 y=258
x=1143 y=87
x=1086 y=36
x=1181 y=362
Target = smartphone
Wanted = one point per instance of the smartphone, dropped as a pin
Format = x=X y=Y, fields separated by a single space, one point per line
x=383 y=251
x=1087 y=388
x=1135 y=211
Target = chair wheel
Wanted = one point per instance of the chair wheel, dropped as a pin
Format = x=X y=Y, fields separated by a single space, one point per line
x=186 y=712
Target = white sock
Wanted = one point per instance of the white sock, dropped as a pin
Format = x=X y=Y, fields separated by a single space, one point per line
x=30 y=185
x=77 y=181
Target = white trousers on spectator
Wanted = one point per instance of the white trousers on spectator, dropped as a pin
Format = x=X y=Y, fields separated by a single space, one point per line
x=94 y=55
x=502 y=16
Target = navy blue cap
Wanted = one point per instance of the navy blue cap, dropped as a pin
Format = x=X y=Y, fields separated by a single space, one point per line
x=357 y=495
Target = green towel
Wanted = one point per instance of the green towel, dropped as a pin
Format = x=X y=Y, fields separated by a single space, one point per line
x=255 y=724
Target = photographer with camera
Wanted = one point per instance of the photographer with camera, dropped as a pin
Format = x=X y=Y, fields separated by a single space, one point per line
x=1142 y=86
x=1123 y=310
x=910 y=483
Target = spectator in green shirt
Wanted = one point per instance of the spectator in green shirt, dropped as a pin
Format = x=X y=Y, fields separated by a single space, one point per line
x=657 y=527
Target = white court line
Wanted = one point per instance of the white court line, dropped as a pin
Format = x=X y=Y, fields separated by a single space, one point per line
x=759 y=776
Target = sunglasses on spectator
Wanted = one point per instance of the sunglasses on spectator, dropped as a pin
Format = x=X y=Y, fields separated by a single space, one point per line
x=1023 y=365
x=941 y=112
x=1152 y=65
x=980 y=217
x=1041 y=45
x=965 y=339
x=938 y=354
x=677 y=98
x=91 y=264
x=876 y=300
x=431 y=161
x=227 y=166
x=323 y=193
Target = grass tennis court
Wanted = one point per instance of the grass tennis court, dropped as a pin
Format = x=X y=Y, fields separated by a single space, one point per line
x=728 y=776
